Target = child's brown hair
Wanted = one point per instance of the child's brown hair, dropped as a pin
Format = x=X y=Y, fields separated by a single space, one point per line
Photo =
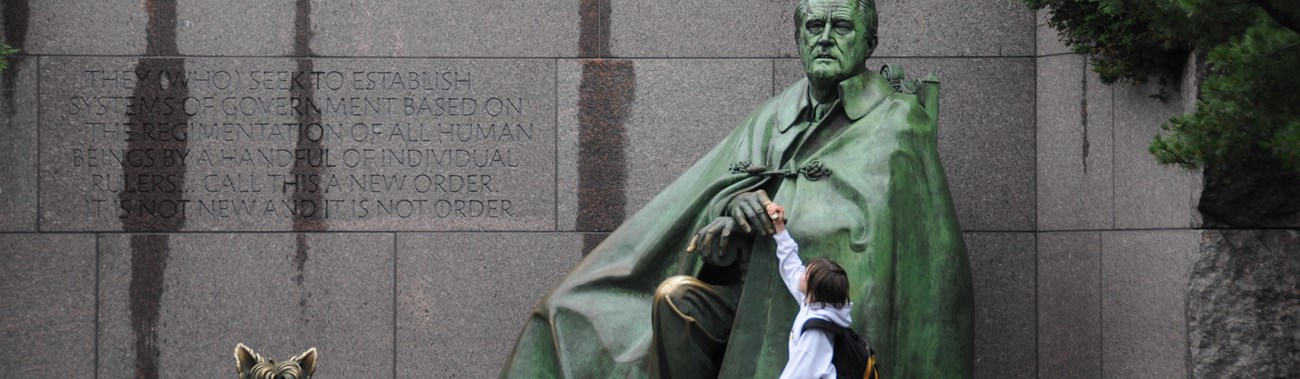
x=827 y=283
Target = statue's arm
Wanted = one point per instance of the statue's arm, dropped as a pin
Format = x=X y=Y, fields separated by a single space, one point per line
x=742 y=213
x=745 y=216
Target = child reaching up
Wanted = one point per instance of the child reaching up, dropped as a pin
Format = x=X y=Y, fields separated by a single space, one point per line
x=822 y=291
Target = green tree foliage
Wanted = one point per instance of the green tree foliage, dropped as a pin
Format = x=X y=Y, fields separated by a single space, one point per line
x=5 y=51
x=1126 y=40
x=1247 y=120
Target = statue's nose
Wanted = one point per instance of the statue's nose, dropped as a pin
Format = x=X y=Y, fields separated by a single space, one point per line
x=825 y=38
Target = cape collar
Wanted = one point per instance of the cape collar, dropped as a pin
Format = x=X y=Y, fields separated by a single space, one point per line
x=859 y=95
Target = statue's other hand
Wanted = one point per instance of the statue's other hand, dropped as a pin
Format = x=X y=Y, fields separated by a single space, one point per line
x=749 y=209
x=711 y=241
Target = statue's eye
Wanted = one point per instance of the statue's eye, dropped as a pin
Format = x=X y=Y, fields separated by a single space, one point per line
x=843 y=27
x=815 y=26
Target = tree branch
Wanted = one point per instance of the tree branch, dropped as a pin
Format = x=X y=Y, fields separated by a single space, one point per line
x=1288 y=18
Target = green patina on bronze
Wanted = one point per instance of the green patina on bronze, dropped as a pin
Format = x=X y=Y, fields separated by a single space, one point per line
x=852 y=156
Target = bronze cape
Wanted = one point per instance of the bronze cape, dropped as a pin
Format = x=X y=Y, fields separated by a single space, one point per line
x=884 y=214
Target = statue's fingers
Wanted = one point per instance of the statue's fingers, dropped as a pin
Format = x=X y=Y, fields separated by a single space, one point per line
x=761 y=219
x=690 y=248
x=703 y=247
x=754 y=214
x=739 y=216
x=722 y=242
x=710 y=235
x=721 y=228
x=762 y=198
x=750 y=214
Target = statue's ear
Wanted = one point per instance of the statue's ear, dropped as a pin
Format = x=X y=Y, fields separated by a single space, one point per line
x=307 y=361
x=245 y=358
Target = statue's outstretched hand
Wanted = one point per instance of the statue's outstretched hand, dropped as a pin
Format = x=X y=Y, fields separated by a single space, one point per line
x=748 y=212
x=711 y=241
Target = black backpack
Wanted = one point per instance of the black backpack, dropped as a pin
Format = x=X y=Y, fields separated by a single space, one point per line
x=853 y=356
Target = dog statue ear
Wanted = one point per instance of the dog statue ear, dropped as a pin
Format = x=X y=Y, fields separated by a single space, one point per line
x=307 y=361
x=245 y=359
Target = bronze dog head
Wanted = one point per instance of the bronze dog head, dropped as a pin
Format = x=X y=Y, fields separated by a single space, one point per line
x=250 y=365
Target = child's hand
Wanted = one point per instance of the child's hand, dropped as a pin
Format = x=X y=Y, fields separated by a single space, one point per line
x=777 y=213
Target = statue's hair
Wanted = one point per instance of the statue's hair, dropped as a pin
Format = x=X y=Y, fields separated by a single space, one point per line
x=867 y=8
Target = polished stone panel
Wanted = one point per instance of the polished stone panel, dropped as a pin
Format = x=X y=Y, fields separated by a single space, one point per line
x=190 y=298
x=456 y=28
x=76 y=191
x=77 y=27
x=237 y=27
x=1002 y=267
x=941 y=28
x=1147 y=194
x=1075 y=147
x=679 y=110
x=1048 y=39
x=701 y=28
x=18 y=148
x=1069 y=305
x=462 y=298
x=1144 y=277
x=47 y=323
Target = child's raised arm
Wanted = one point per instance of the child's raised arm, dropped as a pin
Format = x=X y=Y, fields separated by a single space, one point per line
x=787 y=253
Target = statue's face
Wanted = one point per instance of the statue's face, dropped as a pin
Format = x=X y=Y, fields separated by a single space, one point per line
x=831 y=40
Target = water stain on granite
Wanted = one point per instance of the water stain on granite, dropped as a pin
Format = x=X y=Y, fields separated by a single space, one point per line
x=301 y=248
x=605 y=97
x=593 y=35
x=160 y=32
x=302 y=32
x=163 y=78
x=590 y=241
x=159 y=207
x=1083 y=115
x=149 y=255
x=303 y=221
x=310 y=201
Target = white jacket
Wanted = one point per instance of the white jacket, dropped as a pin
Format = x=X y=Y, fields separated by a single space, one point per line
x=811 y=351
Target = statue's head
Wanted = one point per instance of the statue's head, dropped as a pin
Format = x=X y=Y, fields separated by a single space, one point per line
x=250 y=365
x=835 y=37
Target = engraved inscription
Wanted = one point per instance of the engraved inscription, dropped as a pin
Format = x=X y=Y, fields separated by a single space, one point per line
x=431 y=145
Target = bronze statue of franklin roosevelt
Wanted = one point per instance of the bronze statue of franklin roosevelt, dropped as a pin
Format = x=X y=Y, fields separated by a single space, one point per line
x=852 y=156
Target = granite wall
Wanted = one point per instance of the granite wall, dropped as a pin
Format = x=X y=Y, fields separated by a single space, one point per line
x=312 y=208
x=1117 y=233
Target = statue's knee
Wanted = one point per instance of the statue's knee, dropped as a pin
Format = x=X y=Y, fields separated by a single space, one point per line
x=674 y=288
